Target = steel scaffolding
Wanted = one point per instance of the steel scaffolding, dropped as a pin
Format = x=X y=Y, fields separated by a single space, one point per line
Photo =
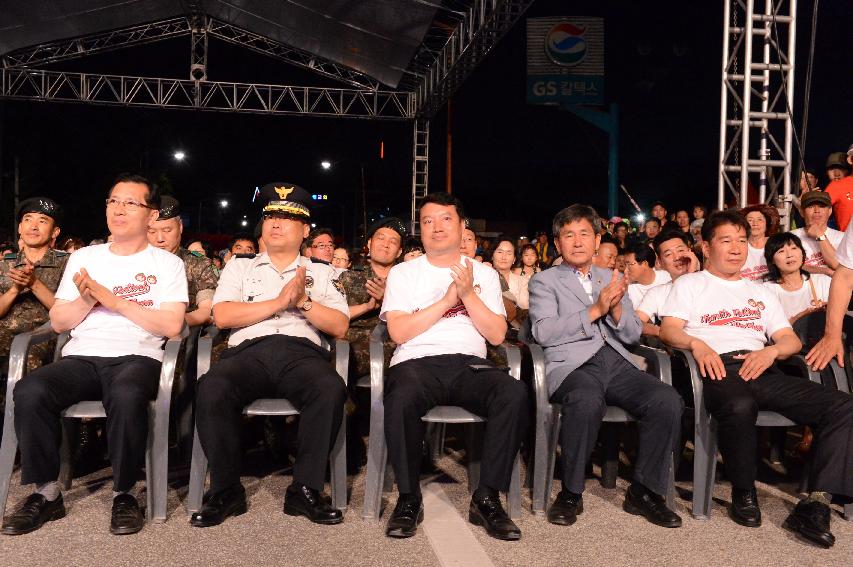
x=756 y=102
x=420 y=167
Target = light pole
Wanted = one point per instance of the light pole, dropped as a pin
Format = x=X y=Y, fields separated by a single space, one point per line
x=327 y=165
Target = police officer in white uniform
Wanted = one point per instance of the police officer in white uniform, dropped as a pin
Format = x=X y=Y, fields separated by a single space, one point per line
x=276 y=304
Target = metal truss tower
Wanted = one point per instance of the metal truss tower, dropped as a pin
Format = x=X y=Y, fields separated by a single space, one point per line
x=756 y=102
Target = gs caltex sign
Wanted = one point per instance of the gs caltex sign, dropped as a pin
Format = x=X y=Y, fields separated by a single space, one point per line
x=565 y=60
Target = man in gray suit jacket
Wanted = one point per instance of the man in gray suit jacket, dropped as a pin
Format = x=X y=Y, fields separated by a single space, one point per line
x=581 y=315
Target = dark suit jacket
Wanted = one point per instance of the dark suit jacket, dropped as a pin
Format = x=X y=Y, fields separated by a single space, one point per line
x=561 y=325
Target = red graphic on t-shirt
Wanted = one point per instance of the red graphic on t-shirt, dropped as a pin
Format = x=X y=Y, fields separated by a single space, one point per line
x=815 y=260
x=742 y=318
x=133 y=290
x=457 y=310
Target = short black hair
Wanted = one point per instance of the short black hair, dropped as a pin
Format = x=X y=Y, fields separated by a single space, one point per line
x=445 y=200
x=720 y=218
x=607 y=238
x=660 y=203
x=701 y=206
x=242 y=236
x=576 y=213
x=152 y=197
x=412 y=243
x=651 y=219
x=773 y=244
x=643 y=253
x=669 y=235
x=319 y=232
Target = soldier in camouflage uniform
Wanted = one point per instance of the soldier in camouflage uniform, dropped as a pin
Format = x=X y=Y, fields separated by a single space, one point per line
x=364 y=288
x=28 y=281
x=165 y=233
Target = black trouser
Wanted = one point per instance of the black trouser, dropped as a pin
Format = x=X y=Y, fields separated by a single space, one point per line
x=413 y=387
x=276 y=366
x=608 y=379
x=125 y=384
x=735 y=403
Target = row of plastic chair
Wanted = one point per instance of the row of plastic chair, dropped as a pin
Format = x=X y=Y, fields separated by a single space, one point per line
x=547 y=426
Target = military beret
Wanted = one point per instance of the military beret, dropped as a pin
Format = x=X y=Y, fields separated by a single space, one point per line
x=41 y=205
x=393 y=223
x=169 y=208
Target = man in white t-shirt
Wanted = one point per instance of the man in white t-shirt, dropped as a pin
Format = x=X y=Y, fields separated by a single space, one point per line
x=677 y=258
x=120 y=301
x=641 y=273
x=441 y=308
x=728 y=322
x=276 y=304
x=581 y=316
x=819 y=241
x=831 y=346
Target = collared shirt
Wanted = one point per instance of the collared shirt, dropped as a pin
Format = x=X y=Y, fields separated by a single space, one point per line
x=256 y=279
x=585 y=279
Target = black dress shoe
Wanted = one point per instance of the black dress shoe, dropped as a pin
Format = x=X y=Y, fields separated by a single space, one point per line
x=744 y=509
x=652 y=507
x=126 y=517
x=408 y=513
x=811 y=520
x=486 y=511
x=565 y=509
x=217 y=506
x=299 y=500
x=33 y=513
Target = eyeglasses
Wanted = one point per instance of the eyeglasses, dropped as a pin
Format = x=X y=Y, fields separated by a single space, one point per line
x=129 y=204
x=323 y=246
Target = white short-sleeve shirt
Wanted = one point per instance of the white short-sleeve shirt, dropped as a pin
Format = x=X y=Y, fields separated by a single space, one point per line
x=149 y=278
x=654 y=300
x=636 y=291
x=756 y=266
x=727 y=315
x=814 y=257
x=795 y=302
x=257 y=279
x=844 y=250
x=415 y=285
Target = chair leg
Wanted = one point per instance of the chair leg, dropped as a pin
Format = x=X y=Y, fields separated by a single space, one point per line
x=610 y=461
x=157 y=465
x=198 y=473
x=377 y=459
x=435 y=432
x=541 y=461
x=474 y=449
x=552 y=458
x=670 y=491
x=704 y=467
x=848 y=512
x=70 y=431
x=338 y=468
x=513 y=497
x=8 y=449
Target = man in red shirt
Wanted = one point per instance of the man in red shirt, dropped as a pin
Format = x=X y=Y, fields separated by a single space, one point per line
x=841 y=193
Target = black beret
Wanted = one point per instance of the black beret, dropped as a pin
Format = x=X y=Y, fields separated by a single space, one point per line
x=169 y=208
x=41 y=205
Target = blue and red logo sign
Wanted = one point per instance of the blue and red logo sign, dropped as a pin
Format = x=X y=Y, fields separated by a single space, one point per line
x=565 y=44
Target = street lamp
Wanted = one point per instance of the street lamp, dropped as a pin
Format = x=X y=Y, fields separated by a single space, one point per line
x=223 y=204
x=179 y=155
x=326 y=164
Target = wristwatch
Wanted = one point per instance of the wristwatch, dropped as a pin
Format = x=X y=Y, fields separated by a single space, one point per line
x=821 y=238
x=306 y=305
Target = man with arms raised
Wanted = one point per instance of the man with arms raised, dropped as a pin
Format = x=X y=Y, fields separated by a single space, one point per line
x=277 y=305
x=727 y=321
x=583 y=318
x=441 y=309
x=120 y=301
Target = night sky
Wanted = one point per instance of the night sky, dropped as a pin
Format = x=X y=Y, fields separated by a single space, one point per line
x=511 y=161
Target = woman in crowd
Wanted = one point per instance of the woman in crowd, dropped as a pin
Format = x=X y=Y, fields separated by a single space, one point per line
x=528 y=263
x=799 y=292
x=763 y=223
x=412 y=249
x=503 y=258
x=72 y=244
x=620 y=234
